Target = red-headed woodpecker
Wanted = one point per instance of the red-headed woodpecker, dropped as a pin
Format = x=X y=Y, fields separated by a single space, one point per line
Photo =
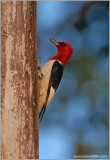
x=52 y=73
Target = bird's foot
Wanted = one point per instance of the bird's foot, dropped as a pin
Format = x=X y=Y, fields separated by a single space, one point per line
x=40 y=75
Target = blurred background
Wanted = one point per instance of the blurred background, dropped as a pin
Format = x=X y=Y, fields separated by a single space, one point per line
x=77 y=119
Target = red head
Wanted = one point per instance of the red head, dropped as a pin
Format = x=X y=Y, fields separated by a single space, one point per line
x=64 y=52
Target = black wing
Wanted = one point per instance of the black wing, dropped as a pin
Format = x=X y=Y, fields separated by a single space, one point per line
x=56 y=75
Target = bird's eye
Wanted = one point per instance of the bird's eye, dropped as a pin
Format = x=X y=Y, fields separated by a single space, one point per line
x=64 y=45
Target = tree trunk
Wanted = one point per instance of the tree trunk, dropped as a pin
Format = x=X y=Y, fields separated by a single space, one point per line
x=19 y=96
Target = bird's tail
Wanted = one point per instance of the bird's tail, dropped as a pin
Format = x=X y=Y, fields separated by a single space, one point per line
x=42 y=113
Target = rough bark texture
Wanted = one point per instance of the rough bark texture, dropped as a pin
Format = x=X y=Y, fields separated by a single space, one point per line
x=19 y=112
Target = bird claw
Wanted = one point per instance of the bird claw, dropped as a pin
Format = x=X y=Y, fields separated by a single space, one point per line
x=40 y=75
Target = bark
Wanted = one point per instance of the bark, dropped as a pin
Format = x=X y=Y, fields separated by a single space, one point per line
x=19 y=96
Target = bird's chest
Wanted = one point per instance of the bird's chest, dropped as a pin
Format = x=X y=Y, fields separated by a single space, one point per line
x=46 y=71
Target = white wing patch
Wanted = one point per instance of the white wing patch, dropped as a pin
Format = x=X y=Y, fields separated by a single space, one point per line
x=52 y=92
x=46 y=71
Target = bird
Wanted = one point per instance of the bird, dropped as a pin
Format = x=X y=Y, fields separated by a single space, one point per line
x=51 y=75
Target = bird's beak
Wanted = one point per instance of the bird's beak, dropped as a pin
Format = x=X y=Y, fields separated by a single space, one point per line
x=55 y=42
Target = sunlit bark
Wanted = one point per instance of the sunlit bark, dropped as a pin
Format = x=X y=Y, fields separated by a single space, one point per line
x=19 y=113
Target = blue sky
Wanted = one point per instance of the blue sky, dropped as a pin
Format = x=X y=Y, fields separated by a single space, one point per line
x=77 y=115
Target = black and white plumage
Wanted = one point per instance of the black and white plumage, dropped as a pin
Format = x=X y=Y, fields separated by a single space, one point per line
x=52 y=73
x=49 y=84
